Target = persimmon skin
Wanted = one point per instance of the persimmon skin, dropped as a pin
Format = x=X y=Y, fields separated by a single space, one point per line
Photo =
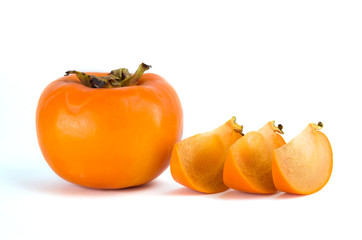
x=197 y=162
x=248 y=165
x=108 y=138
x=304 y=165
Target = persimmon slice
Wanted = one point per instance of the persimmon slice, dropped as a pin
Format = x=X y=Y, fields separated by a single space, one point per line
x=197 y=162
x=248 y=164
x=304 y=165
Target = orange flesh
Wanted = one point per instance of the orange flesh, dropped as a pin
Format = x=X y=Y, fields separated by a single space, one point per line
x=304 y=165
x=198 y=162
x=248 y=165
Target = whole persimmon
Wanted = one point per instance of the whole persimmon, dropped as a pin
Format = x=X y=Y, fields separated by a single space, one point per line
x=109 y=131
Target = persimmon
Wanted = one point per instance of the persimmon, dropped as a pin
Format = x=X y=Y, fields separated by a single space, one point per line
x=109 y=131
x=303 y=165
x=197 y=162
x=248 y=164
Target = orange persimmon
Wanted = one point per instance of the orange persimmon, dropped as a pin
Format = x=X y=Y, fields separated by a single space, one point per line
x=248 y=164
x=197 y=162
x=303 y=165
x=109 y=131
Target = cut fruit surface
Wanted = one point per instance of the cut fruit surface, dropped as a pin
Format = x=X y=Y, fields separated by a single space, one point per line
x=304 y=165
x=248 y=165
x=198 y=161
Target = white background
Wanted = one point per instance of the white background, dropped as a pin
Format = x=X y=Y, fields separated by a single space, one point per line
x=295 y=62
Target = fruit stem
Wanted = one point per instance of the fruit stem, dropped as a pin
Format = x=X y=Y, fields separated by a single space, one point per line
x=237 y=128
x=317 y=126
x=278 y=128
x=132 y=80
x=116 y=78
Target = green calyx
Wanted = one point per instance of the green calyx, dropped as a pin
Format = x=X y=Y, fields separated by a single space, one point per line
x=116 y=78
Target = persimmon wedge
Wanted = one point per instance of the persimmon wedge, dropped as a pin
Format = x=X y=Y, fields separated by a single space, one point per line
x=304 y=165
x=248 y=164
x=197 y=162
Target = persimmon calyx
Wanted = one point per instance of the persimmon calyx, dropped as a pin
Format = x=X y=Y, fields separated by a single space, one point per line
x=317 y=126
x=278 y=128
x=116 y=78
x=237 y=128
